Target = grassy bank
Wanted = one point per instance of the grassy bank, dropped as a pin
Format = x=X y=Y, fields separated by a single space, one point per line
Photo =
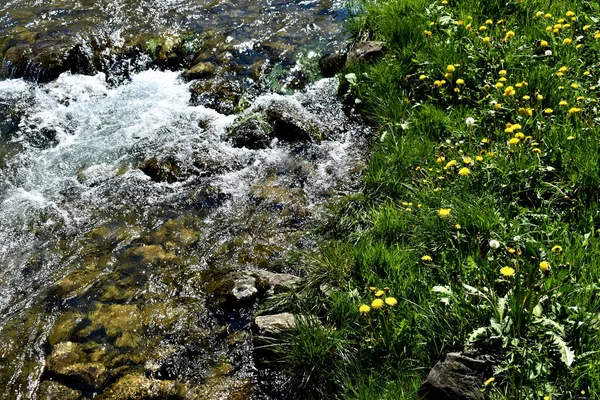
x=478 y=221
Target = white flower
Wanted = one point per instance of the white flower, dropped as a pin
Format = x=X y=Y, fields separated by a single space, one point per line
x=548 y=52
x=494 y=244
x=470 y=121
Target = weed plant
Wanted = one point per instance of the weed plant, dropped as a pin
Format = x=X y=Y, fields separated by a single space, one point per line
x=479 y=213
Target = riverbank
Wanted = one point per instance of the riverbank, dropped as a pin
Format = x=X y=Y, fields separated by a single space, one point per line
x=477 y=227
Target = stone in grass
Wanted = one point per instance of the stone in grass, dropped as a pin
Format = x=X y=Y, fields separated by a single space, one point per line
x=459 y=376
x=365 y=51
x=269 y=325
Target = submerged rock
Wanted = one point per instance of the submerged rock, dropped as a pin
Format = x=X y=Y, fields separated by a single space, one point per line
x=290 y=123
x=68 y=361
x=457 y=377
x=139 y=387
x=50 y=390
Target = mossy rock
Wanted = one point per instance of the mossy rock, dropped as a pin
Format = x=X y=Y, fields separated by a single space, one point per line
x=219 y=94
x=76 y=282
x=68 y=361
x=251 y=131
x=139 y=387
x=153 y=253
x=51 y=390
x=64 y=327
x=117 y=318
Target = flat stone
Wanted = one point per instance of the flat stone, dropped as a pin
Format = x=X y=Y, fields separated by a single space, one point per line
x=137 y=387
x=244 y=288
x=457 y=377
x=278 y=282
x=269 y=325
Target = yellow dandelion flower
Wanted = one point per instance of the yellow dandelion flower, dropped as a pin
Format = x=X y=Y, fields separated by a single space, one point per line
x=570 y=14
x=516 y=127
x=539 y=14
x=448 y=75
x=563 y=103
x=571 y=138
x=450 y=163
x=422 y=77
x=567 y=41
x=467 y=160
x=440 y=159
x=574 y=110
x=379 y=293
x=489 y=381
x=514 y=141
x=482 y=28
x=544 y=265
x=460 y=82
x=509 y=91
x=468 y=27
x=450 y=68
x=444 y=212
x=502 y=72
x=499 y=85
x=557 y=249
x=548 y=111
x=587 y=73
x=548 y=29
x=426 y=258
x=497 y=106
x=427 y=33
x=479 y=158
x=502 y=79
x=509 y=129
x=437 y=83
x=509 y=34
x=520 y=135
x=507 y=271
x=548 y=16
x=536 y=150
x=464 y=171
x=377 y=304
x=526 y=97
x=391 y=301
x=486 y=40
x=574 y=86
x=459 y=23
x=511 y=250
x=544 y=43
x=485 y=140
x=364 y=309
x=457 y=226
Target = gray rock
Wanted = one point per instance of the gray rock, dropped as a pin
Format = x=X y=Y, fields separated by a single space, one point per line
x=244 y=288
x=457 y=377
x=269 y=325
x=276 y=282
x=365 y=51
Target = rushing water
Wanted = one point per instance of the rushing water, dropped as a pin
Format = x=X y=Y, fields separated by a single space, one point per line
x=127 y=213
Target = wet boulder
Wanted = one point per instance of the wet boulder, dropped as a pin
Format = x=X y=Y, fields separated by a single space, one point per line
x=251 y=131
x=199 y=71
x=291 y=123
x=459 y=376
x=45 y=60
x=221 y=95
x=267 y=281
x=165 y=169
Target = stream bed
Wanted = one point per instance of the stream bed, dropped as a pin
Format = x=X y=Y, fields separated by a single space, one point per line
x=142 y=219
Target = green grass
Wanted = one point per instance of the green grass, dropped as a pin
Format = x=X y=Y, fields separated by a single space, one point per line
x=530 y=196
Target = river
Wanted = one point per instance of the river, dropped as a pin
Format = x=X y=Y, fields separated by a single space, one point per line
x=129 y=212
